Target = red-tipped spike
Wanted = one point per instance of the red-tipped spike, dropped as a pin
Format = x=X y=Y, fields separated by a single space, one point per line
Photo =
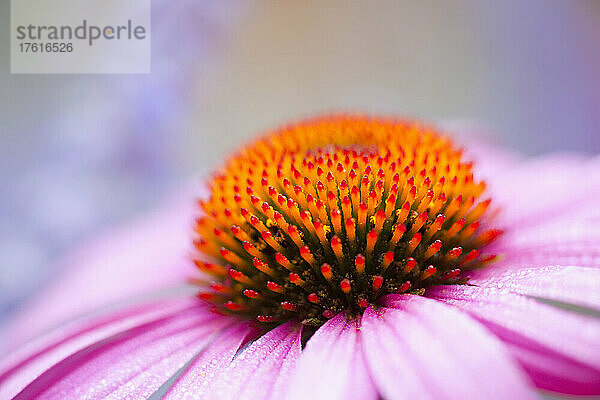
x=489 y=258
x=268 y=237
x=379 y=220
x=362 y=214
x=455 y=252
x=410 y=264
x=390 y=203
x=432 y=249
x=451 y=274
x=457 y=226
x=265 y=318
x=253 y=294
x=336 y=220
x=295 y=279
x=345 y=286
x=326 y=271
x=488 y=236
x=289 y=306
x=295 y=235
x=419 y=222
x=413 y=243
x=210 y=297
x=471 y=256
x=231 y=257
x=435 y=225
x=371 y=240
x=404 y=287
x=307 y=255
x=283 y=261
x=350 y=229
x=210 y=268
x=252 y=250
x=429 y=271
x=336 y=246
x=219 y=287
x=272 y=286
x=388 y=258
x=234 y=306
x=377 y=282
x=281 y=200
x=399 y=231
x=313 y=298
x=237 y=232
x=359 y=263
x=403 y=212
x=239 y=276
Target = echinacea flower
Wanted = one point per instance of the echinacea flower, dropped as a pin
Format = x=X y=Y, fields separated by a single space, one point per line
x=351 y=257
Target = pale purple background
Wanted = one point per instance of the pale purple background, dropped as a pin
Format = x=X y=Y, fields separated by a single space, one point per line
x=80 y=154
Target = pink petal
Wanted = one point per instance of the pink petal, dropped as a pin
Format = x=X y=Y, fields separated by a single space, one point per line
x=20 y=368
x=568 y=222
x=142 y=256
x=583 y=253
x=559 y=349
x=555 y=253
x=423 y=349
x=135 y=361
x=570 y=284
x=332 y=365
x=195 y=381
x=553 y=371
x=263 y=369
x=577 y=223
x=543 y=188
x=158 y=370
x=549 y=213
x=489 y=157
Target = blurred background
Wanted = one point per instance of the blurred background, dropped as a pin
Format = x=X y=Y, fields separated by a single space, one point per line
x=80 y=154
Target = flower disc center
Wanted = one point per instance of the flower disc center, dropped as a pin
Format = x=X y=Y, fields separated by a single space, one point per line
x=330 y=214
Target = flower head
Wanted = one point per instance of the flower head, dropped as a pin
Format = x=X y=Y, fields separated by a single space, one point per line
x=343 y=256
x=333 y=213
